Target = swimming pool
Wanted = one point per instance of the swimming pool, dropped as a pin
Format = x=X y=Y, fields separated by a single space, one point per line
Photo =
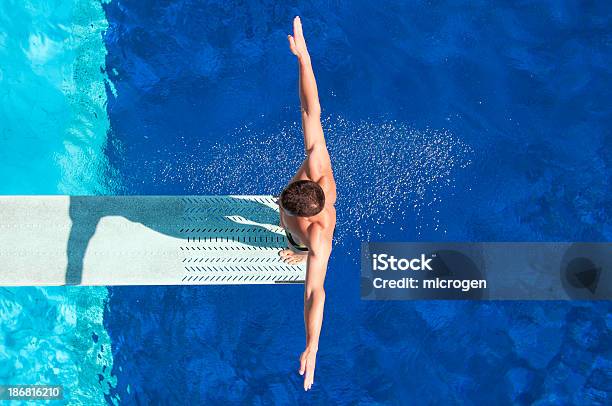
x=449 y=121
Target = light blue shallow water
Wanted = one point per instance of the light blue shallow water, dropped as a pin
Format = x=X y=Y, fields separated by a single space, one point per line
x=53 y=126
x=446 y=121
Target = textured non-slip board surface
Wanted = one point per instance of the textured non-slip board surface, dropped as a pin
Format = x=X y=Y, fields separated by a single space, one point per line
x=142 y=240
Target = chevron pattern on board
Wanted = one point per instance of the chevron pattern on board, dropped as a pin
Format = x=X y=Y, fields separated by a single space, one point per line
x=234 y=240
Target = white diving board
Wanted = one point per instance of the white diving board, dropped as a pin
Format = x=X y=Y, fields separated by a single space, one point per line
x=142 y=240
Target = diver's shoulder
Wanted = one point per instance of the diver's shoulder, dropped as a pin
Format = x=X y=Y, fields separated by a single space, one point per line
x=321 y=231
x=326 y=222
x=328 y=184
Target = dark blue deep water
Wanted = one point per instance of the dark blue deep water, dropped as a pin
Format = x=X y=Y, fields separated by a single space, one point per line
x=446 y=120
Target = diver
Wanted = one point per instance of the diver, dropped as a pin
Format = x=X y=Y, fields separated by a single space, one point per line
x=307 y=210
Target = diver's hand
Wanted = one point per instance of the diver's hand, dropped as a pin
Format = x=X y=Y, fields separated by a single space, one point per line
x=297 y=43
x=308 y=361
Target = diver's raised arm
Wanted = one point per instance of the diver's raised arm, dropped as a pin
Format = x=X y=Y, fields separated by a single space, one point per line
x=309 y=95
x=314 y=142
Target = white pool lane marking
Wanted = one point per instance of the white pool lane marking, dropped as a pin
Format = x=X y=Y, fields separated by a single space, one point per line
x=142 y=240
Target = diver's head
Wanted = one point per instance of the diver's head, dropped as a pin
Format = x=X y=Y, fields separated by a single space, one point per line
x=302 y=198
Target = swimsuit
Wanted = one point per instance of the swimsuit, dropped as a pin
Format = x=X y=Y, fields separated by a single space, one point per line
x=299 y=247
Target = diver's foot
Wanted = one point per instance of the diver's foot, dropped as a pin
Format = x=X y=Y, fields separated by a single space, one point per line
x=292 y=258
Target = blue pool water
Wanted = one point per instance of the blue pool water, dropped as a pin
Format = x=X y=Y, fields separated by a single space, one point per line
x=445 y=121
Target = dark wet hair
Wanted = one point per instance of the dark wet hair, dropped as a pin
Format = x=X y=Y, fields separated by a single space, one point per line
x=303 y=198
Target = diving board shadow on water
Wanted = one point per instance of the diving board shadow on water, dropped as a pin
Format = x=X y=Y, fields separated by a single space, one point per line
x=147 y=240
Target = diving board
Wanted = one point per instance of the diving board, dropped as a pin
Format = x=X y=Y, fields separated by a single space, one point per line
x=142 y=240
